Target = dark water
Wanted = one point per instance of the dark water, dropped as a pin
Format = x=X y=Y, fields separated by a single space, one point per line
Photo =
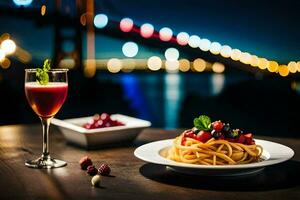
x=265 y=105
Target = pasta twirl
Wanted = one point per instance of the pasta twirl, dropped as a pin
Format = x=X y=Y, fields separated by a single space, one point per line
x=213 y=152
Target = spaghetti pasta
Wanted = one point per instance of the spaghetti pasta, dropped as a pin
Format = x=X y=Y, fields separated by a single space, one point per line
x=213 y=152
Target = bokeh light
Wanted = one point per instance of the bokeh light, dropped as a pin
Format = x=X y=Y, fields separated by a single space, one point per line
x=298 y=66
x=130 y=49
x=215 y=48
x=67 y=63
x=172 y=66
x=22 y=2
x=114 y=65
x=194 y=41
x=172 y=54
x=199 y=65
x=5 y=64
x=263 y=63
x=235 y=54
x=292 y=67
x=182 y=38
x=147 y=30
x=184 y=65
x=126 y=24
x=218 y=67
x=83 y=19
x=225 y=51
x=283 y=70
x=245 y=58
x=254 y=61
x=204 y=44
x=128 y=65
x=2 y=55
x=8 y=46
x=43 y=10
x=165 y=34
x=154 y=63
x=272 y=66
x=90 y=68
x=100 y=20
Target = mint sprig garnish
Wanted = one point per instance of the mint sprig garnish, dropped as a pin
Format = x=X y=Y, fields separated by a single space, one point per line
x=203 y=122
x=42 y=73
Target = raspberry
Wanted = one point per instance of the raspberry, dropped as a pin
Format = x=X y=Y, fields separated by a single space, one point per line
x=85 y=162
x=91 y=170
x=104 y=169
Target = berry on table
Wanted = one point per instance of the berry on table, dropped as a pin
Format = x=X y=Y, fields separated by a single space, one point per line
x=104 y=170
x=91 y=170
x=85 y=162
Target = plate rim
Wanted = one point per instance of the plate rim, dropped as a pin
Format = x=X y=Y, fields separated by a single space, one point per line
x=158 y=159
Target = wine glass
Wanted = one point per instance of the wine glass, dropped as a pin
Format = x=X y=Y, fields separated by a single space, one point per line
x=46 y=100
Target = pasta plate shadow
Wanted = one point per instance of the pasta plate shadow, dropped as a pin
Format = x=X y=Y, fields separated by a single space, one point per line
x=268 y=179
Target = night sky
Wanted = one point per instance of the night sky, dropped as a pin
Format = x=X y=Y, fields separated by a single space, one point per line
x=265 y=28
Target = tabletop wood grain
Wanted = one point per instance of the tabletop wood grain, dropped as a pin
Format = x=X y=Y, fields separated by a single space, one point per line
x=132 y=178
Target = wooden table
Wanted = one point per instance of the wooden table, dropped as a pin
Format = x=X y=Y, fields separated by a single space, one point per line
x=132 y=178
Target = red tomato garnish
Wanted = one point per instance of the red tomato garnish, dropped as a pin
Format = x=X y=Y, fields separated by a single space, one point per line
x=217 y=125
x=203 y=136
x=249 y=139
x=183 y=140
x=241 y=139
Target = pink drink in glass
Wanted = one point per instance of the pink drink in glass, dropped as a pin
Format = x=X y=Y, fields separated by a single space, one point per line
x=46 y=100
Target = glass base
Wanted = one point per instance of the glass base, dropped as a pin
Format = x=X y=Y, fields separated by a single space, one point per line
x=45 y=163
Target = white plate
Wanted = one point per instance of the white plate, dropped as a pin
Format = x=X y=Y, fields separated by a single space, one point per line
x=273 y=153
x=97 y=138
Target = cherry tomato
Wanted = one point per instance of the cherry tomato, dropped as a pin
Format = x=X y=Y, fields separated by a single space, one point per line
x=203 y=136
x=217 y=125
x=189 y=134
x=183 y=140
x=249 y=139
x=241 y=139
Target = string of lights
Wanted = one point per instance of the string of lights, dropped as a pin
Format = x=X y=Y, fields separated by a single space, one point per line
x=166 y=34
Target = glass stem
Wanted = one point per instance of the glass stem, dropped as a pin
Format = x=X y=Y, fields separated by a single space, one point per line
x=45 y=124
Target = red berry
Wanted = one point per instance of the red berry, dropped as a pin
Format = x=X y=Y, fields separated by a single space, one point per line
x=249 y=139
x=107 y=125
x=241 y=139
x=91 y=170
x=217 y=125
x=203 y=136
x=87 y=126
x=85 y=162
x=104 y=170
x=183 y=140
x=105 y=117
x=248 y=135
x=189 y=134
x=96 y=117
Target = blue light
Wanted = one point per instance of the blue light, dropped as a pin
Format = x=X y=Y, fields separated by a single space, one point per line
x=130 y=49
x=22 y=2
x=100 y=20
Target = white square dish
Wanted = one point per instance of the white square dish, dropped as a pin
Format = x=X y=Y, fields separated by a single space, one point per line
x=74 y=132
